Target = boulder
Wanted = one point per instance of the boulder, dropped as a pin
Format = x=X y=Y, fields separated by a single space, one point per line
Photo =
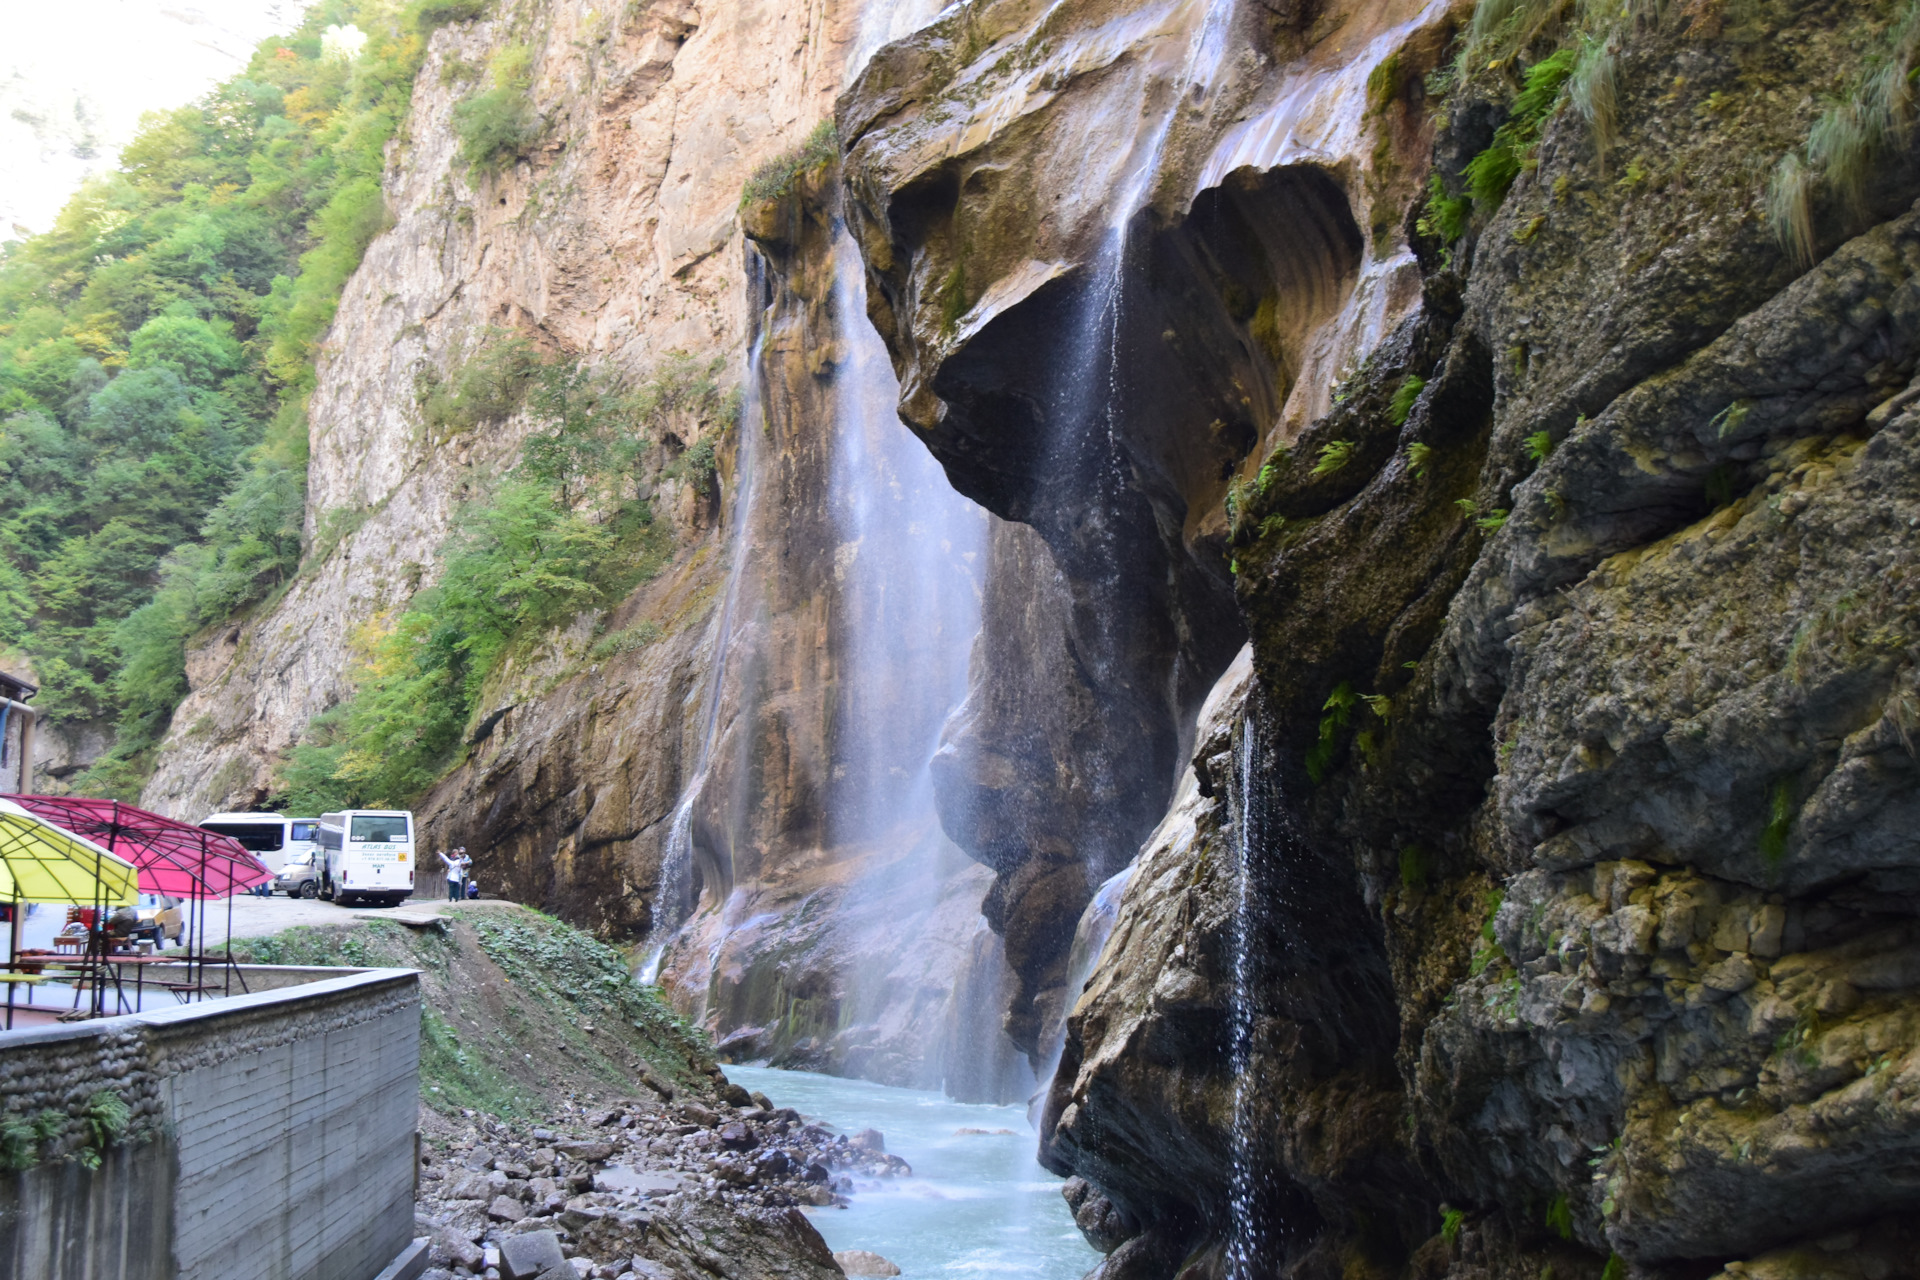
x=525 y=1257
x=738 y=1137
x=700 y=1115
x=1100 y=1220
x=590 y=1152
x=506 y=1209
x=869 y=1140
x=862 y=1262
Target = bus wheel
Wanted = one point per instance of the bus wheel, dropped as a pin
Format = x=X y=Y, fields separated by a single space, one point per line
x=310 y=890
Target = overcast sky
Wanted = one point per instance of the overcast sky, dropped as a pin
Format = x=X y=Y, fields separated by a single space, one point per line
x=75 y=76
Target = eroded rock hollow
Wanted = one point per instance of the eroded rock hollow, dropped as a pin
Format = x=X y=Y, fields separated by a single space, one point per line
x=1534 y=898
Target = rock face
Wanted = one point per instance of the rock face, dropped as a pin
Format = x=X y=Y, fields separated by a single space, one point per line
x=603 y=247
x=1099 y=304
x=1542 y=898
x=618 y=244
x=837 y=927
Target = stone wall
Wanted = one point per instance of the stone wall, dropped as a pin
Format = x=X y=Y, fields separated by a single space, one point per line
x=271 y=1135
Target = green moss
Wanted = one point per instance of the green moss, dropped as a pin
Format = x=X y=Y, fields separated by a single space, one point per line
x=1451 y=1221
x=1383 y=84
x=1415 y=868
x=1333 y=455
x=953 y=295
x=1780 y=814
x=1404 y=395
x=1560 y=1217
x=1539 y=445
x=1419 y=457
x=628 y=640
x=1265 y=327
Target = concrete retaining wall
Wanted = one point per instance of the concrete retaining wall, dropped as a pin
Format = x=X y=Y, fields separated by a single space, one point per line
x=279 y=1138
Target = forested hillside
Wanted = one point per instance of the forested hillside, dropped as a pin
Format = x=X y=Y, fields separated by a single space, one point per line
x=156 y=351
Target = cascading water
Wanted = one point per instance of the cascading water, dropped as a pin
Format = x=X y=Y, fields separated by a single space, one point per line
x=907 y=577
x=672 y=899
x=1261 y=835
x=907 y=603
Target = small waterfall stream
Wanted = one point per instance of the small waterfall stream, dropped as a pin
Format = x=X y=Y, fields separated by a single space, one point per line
x=1246 y=1243
x=673 y=899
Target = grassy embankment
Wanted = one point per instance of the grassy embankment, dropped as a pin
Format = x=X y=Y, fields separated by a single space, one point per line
x=519 y=1009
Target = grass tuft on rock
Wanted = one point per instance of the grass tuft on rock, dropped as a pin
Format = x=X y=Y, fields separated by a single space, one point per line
x=774 y=179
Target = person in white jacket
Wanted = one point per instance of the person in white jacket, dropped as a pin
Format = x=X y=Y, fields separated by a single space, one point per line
x=456 y=874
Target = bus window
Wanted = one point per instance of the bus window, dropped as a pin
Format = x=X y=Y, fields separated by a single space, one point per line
x=306 y=831
x=379 y=827
x=260 y=837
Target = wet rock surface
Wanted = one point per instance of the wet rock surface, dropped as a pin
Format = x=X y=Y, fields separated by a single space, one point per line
x=1096 y=356
x=1543 y=901
x=631 y=1186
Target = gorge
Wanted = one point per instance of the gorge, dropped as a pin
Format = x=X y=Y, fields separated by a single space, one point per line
x=1320 y=592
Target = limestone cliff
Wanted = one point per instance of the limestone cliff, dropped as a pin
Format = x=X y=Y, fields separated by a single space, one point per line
x=1541 y=904
x=617 y=244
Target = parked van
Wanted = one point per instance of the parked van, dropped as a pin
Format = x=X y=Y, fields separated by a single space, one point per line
x=366 y=855
x=300 y=875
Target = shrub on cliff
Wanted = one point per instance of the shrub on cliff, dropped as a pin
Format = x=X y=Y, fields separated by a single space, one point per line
x=497 y=125
x=569 y=529
x=774 y=179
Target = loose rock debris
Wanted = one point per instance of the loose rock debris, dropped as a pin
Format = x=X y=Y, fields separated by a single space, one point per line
x=646 y=1188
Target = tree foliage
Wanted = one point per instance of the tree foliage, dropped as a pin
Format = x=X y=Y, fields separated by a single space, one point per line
x=569 y=529
x=156 y=351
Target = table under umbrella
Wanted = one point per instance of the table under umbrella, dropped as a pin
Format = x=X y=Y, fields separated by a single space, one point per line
x=172 y=857
x=41 y=862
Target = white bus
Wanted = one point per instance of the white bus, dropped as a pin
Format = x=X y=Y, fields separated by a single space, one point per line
x=275 y=840
x=366 y=854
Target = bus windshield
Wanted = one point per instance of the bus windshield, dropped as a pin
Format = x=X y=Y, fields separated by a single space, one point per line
x=381 y=827
x=260 y=837
x=306 y=831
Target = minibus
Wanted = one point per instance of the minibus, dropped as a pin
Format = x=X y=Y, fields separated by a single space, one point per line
x=366 y=855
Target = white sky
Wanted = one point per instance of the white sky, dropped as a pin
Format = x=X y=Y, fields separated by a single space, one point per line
x=75 y=76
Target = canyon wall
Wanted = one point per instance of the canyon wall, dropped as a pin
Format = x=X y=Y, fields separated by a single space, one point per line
x=1537 y=903
x=616 y=243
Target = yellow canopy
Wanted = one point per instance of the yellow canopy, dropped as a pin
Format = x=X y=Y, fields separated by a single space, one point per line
x=40 y=862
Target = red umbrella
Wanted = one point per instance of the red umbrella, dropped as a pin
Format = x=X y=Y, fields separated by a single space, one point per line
x=173 y=858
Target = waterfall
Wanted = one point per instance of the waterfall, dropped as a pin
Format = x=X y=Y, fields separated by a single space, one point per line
x=907 y=598
x=907 y=585
x=1244 y=1244
x=672 y=899
x=1089 y=939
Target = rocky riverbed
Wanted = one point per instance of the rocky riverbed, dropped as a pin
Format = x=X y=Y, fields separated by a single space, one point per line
x=658 y=1186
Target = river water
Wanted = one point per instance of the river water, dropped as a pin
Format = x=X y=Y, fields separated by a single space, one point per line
x=977 y=1204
